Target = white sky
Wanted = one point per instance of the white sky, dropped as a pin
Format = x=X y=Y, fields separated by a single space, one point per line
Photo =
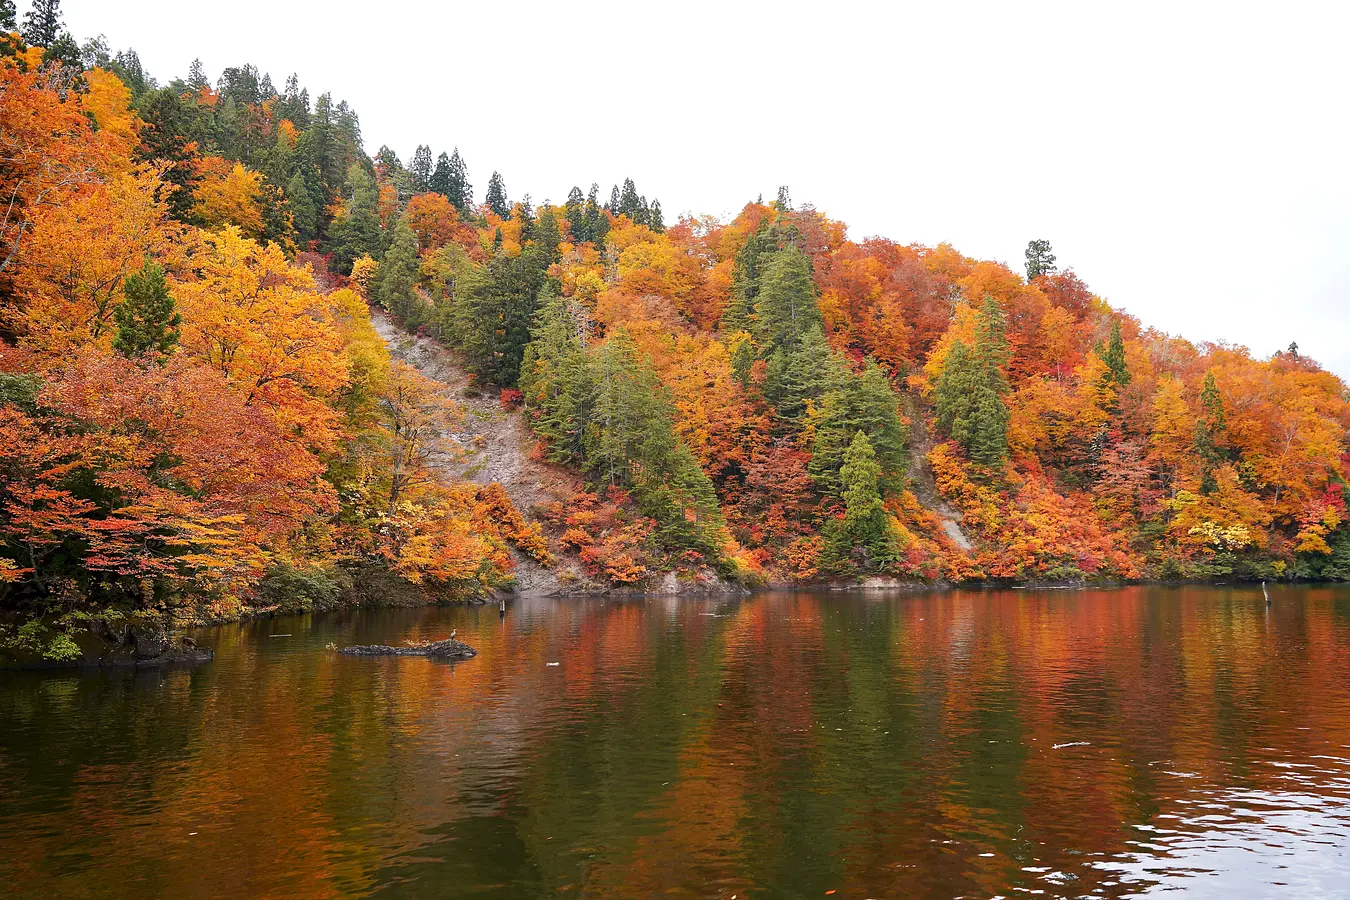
x=1188 y=160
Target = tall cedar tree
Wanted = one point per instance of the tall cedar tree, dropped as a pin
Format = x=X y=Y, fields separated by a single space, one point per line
x=496 y=196
x=420 y=169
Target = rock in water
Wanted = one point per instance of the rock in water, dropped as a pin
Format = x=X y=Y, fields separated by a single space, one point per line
x=447 y=649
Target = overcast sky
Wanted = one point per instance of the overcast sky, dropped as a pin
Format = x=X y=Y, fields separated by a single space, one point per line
x=1189 y=161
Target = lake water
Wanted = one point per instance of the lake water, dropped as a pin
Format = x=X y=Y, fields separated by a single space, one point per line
x=1052 y=744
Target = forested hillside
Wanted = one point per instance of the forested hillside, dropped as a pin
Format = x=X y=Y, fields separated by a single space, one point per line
x=196 y=409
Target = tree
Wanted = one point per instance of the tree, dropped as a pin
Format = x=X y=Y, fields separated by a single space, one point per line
x=1114 y=357
x=230 y=194
x=147 y=319
x=420 y=169
x=657 y=223
x=8 y=22
x=42 y=23
x=197 y=76
x=866 y=404
x=496 y=196
x=432 y=219
x=866 y=529
x=395 y=283
x=1211 y=431
x=785 y=307
x=555 y=377
x=970 y=391
x=1040 y=261
x=440 y=176
x=459 y=192
x=356 y=232
x=630 y=204
x=304 y=212
x=173 y=129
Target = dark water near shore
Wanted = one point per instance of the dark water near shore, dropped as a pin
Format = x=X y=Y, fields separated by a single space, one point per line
x=1055 y=744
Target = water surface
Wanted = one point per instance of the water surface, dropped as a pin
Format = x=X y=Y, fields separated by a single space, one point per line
x=1053 y=744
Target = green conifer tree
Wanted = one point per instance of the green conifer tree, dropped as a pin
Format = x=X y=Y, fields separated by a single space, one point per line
x=42 y=23
x=496 y=196
x=356 y=232
x=785 y=306
x=460 y=192
x=147 y=319
x=862 y=403
x=1114 y=357
x=395 y=283
x=440 y=176
x=304 y=212
x=420 y=168
x=1040 y=260
x=864 y=538
x=1211 y=434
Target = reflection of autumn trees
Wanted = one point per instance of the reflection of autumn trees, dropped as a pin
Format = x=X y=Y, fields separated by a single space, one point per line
x=783 y=743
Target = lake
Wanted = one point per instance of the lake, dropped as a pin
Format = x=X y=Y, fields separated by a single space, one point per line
x=1017 y=743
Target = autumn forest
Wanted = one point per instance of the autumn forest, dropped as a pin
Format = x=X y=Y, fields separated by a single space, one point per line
x=199 y=420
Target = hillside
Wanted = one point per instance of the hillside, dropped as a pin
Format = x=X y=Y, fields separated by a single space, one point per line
x=201 y=417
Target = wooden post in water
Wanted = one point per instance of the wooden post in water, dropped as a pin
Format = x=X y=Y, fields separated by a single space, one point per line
x=1266 y=592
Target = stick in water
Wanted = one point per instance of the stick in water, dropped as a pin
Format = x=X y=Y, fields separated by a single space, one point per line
x=1266 y=592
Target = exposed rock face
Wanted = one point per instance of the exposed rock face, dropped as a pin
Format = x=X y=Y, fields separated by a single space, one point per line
x=446 y=649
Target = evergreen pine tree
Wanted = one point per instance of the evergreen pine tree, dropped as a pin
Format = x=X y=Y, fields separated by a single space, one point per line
x=865 y=533
x=304 y=212
x=1040 y=260
x=1211 y=431
x=613 y=205
x=971 y=388
x=1114 y=357
x=657 y=223
x=575 y=211
x=197 y=76
x=859 y=403
x=496 y=196
x=546 y=234
x=460 y=193
x=395 y=283
x=784 y=201
x=420 y=169
x=785 y=306
x=173 y=129
x=988 y=440
x=356 y=232
x=597 y=223
x=555 y=377
x=8 y=20
x=42 y=23
x=955 y=390
x=800 y=373
x=440 y=176
x=147 y=319
x=630 y=204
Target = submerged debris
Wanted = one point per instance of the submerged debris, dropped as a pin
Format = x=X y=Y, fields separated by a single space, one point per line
x=446 y=649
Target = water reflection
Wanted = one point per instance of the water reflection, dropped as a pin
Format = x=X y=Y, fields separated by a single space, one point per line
x=1059 y=744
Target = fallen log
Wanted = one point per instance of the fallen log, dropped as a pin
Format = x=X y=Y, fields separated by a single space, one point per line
x=446 y=649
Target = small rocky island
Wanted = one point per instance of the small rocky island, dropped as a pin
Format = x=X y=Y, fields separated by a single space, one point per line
x=446 y=649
